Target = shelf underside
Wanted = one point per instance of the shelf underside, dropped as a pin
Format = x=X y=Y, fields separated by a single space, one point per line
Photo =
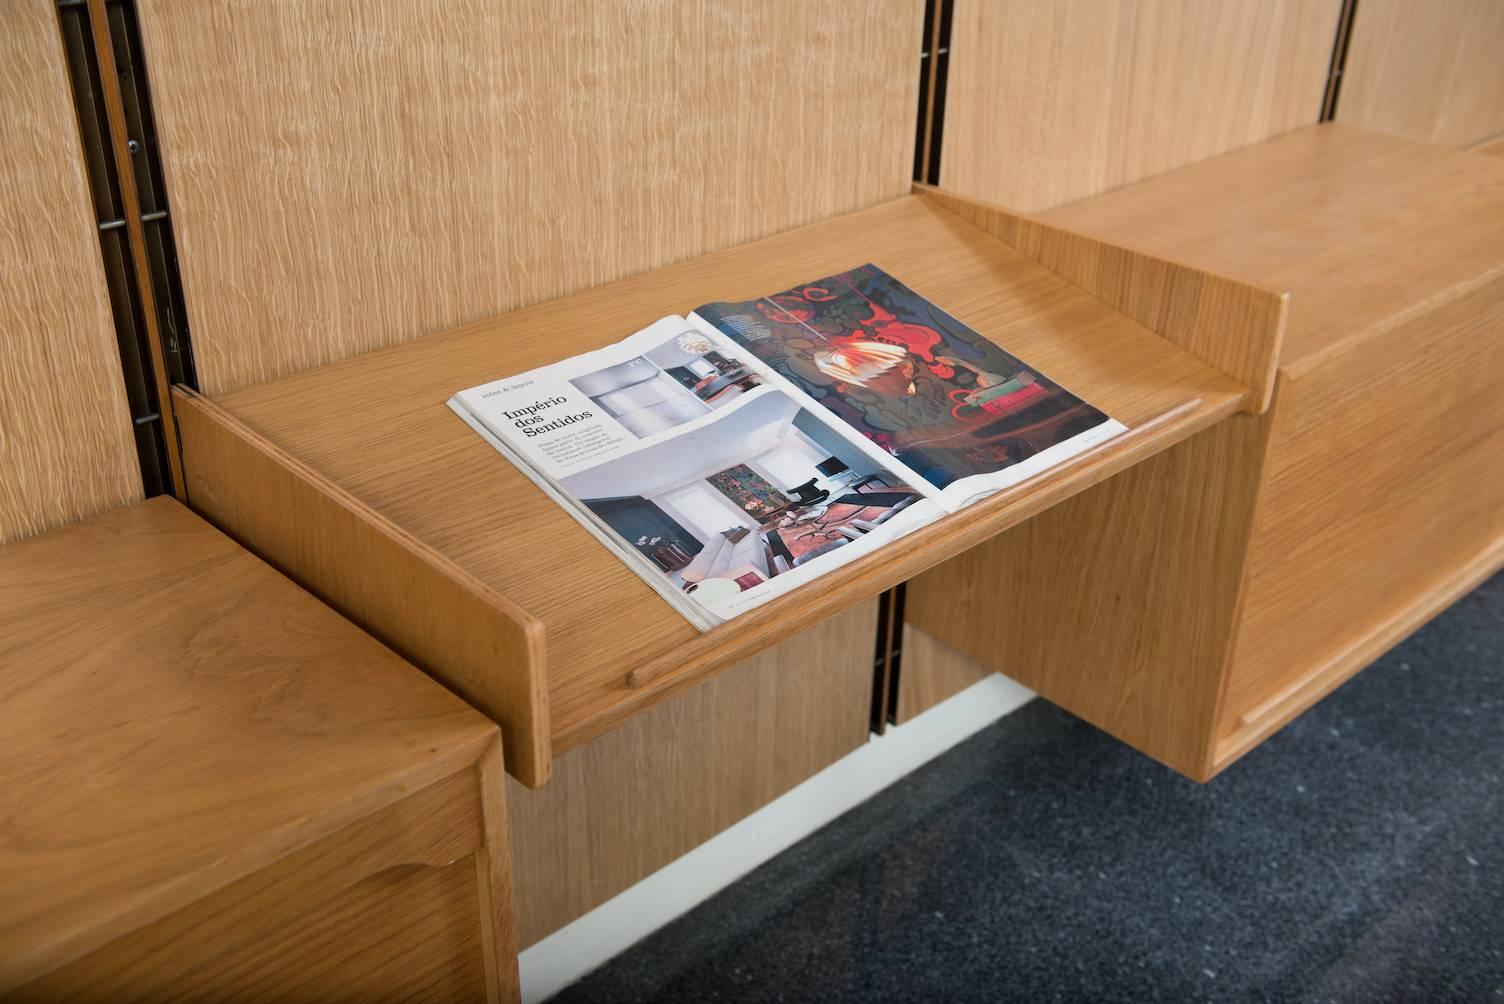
x=377 y=427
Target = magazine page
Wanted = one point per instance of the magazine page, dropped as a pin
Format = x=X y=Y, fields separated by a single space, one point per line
x=952 y=409
x=715 y=485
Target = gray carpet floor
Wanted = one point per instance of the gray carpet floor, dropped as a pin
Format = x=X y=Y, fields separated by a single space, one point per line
x=1358 y=855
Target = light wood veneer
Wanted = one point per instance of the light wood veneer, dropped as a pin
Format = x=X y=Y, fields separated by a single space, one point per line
x=352 y=174
x=216 y=788
x=1194 y=604
x=358 y=482
x=1428 y=71
x=66 y=445
x=1053 y=101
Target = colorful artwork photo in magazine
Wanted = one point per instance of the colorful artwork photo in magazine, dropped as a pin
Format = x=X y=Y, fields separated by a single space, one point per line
x=923 y=386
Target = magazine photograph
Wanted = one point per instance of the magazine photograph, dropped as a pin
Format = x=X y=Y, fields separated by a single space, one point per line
x=732 y=455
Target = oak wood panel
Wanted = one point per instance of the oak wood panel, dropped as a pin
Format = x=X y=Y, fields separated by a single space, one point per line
x=66 y=444
x=178 y=717
x=1429 y=71
x=407 y=935
x=1052 y=102
x=1387 y=474
x=628 y=803
x=376 y=427
x=932 y=672
x=1232 y=324
x=460 y=630
x=1379 y=635
x=354 y=174
x=373 y=911
x=1364 y=230
x=1118 y=604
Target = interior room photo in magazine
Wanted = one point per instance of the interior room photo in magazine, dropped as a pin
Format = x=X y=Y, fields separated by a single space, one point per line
x=743 y=499
x=677 y=382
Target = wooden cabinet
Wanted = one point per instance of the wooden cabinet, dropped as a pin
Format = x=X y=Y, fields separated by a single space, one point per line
x=1195 y=603
x=217 y=789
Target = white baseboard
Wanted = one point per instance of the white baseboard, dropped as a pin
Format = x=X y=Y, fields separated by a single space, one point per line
x=581 y=946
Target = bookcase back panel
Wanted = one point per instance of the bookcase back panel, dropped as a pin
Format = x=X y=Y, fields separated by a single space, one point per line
x=353 y=174
x=1048 y=103
x=66 y=447
x=1428 y=71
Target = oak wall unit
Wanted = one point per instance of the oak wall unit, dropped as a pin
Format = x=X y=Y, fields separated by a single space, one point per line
x=1195 y=603
x=631 y=801
x=66 y=444
x=218 y=789
x=1431 y=71
x=353 y=174
x=357 y=481
x=1049 y=102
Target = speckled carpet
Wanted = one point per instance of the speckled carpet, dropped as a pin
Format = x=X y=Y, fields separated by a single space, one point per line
x=1358 y=855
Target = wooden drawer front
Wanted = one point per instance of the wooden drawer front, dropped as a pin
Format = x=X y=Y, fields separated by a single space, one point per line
x=385 y=910
x=1385 y=492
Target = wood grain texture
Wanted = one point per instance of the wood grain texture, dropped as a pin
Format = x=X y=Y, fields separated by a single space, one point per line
x=458 y=629
x=933 y=671
x=377 y=428
x=179 y=717
x=383 y=909
x=628 y=803
x=1387 y=475
x=1048 y=103
x=1364 y=230
x=66 y=444
x=1118 y=604
x=1367 y=497
x=355 y=174
x=1428 y=71
x=1232 y=324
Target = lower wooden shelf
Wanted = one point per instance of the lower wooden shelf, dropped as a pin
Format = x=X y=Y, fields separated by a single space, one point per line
x=356 y=480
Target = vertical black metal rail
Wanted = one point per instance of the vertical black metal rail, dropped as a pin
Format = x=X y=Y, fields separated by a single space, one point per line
x=1339 y=60
x=148 y=413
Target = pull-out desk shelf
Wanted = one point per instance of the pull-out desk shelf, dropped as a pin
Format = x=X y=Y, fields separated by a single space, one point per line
x=356 y=480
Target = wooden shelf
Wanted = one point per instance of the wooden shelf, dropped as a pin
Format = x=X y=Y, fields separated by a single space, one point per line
x=356 y=480
x=194 y=744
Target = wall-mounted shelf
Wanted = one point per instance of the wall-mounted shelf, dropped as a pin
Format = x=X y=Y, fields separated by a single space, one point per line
x=357 y=481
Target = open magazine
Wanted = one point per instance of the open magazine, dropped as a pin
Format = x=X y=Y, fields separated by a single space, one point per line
x=734 y=454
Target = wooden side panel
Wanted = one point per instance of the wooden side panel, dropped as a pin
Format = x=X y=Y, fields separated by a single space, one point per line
x=1119 y=603
x=66 y=446
x=386 y=909
x=492 y=652
x=1052 y=102
x=410 y=934
x=353 y=174
x=1232 y=324
x=633 y=800
x=1431 y=71
x=1386 y=482
x=933 y=671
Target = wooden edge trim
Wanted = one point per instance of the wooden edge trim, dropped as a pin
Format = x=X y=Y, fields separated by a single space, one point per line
x=424 y=606
x=1231 y=324
x=493 y=876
